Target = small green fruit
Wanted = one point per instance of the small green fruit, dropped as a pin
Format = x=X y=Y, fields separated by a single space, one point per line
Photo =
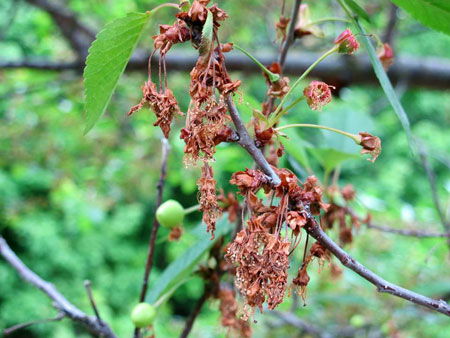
x=143 y=315
x=170 y=214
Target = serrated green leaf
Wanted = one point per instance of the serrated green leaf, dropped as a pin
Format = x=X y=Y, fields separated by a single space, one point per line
x=107 y=59
x=431 y=13
x=180 y=269
x=386 y=84
x=358 y=10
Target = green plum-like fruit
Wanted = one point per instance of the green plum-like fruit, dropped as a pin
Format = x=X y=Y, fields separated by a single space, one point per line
x=170 y=214
x=143 y=315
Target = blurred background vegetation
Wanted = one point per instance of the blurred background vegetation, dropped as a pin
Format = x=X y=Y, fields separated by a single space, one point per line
x=77 y=207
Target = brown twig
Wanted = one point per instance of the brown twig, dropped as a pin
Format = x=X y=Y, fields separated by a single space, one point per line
x=290 y=34
x=87 y=285
x=151 y=246
x=194 y=314
x=247 y=143
x=381 y=284
x=69 y=310
x=408 y=232
x=432 y=181
x=390 y=28
x=17 y=327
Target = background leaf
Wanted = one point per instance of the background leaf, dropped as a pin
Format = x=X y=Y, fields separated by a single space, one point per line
x=386 y=84
x=330 y=158
x=431 y=13
x=107 y=59
x=358 y=10
x=179 y=269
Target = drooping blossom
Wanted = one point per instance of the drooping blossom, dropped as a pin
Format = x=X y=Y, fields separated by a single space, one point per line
x=346 y=42
x=371 y=145
x=386 y=56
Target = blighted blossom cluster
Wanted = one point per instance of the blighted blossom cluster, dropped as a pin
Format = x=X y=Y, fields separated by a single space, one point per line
x=271 y=229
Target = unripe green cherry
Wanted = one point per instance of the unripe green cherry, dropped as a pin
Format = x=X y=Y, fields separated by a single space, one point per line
x=170 y=214
x=143 y=315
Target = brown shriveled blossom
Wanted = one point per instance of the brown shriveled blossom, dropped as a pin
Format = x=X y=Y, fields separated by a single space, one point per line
x=371 y=145
x=228 y=308
x=208 y=199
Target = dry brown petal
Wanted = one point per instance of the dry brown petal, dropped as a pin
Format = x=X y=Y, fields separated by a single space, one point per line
x=175 y=234
x=371 y=145
x=348 y=192
x=208 y=199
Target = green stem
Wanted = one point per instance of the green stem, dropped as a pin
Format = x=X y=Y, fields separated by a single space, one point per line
x=325 y=20
x=346 y=10
x=297 y=100
x=277 y=113
x=355 y=138
x=191 y=209
x=272 y=76
x=169 y=4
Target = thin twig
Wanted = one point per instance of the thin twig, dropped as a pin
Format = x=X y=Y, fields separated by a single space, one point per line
x=390 y=28
x=408 y=232
x=190 y=322
x=290 y=35
x=59 y=301
x=87 y=285
x=17 y=327
x=382 y=285
x=151 y=246
x=432 y=181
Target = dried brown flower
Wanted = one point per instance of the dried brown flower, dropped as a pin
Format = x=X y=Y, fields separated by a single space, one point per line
x=317 y=94
x=175 y=234
x=163 y=104
x=371 y=145
x=208 y=199
x=228 y=308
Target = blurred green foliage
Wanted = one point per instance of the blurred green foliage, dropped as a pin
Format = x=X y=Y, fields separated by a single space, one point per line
x=78 y=207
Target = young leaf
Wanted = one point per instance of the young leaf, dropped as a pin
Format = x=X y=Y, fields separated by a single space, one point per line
x=330 y=158
x=386 y=84
x=207 y=36
x=107 y=59
x=358 y=10
x=431 y=13
x=180 y=268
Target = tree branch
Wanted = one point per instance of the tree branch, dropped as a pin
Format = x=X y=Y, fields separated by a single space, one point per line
x=247 y=143
x=381 y=284
x=433 y=73
x=290 y=35
x=59 y=301
x=151 y=245
x=408 y=232
x=190 y=322
x=78 y=35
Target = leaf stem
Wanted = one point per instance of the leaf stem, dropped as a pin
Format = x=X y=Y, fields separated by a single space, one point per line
x=278 y=113
x=272 y=76
x=169 y=4
x=191 y=209
x=355 y=138
x=312 y=23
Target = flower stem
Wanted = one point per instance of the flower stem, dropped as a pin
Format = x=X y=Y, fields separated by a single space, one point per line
x=277 y=114
x=355 y=138
x=326 y=20
x=169 y=4
x=191 y=209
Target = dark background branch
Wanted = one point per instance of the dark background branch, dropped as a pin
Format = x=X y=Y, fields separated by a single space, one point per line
x=430 y=73
x=99 y=329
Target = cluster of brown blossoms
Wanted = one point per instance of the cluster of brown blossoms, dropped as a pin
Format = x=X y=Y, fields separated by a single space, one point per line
x=261 y=250
x=260 y=253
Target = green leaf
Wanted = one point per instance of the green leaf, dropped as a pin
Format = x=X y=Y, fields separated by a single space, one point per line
x=431 y=13
x=346 y=120
x=107 y=59
x=330 y=158
x=207 y=36
x=358 y=10
x=180 y=269
x=386 y=84
x=295 y=147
